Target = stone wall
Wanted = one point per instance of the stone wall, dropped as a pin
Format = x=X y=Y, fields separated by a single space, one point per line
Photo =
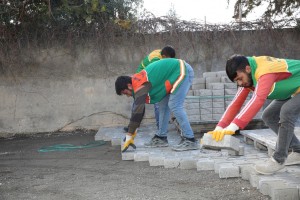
x=58 y=88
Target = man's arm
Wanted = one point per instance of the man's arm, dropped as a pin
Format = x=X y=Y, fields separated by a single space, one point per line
x=138 y=107
x=234 y=107
x=262 y=90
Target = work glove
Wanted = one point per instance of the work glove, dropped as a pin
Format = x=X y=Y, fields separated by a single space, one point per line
x=133 y=135
x=218 y=134
x=129 y=141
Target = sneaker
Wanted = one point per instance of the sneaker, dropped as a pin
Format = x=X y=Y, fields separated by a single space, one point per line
x=157 y=141
x=270 y=167
x=185 y=145
x=293 y=159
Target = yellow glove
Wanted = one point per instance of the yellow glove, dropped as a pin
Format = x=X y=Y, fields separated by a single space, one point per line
x=129 y=141
x=133 y=135
x=218 y=135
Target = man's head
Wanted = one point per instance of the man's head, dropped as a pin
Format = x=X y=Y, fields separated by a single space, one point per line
x=123 y=85
x=238 y=70
x=168 y=52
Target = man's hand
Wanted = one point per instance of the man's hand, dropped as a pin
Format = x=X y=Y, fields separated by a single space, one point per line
x=133 y=135
x=218 y=135
x=129 y=141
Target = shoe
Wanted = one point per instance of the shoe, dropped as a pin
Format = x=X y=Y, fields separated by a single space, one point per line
x=185 y=145
x=157 y=141
x=270 y=167
x=293 y=159
x=125 y=129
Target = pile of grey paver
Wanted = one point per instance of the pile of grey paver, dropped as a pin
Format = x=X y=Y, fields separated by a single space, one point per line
x=283 y=185
x=209 y=96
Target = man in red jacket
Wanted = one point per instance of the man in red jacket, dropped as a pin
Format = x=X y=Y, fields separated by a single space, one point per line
x=268 y=78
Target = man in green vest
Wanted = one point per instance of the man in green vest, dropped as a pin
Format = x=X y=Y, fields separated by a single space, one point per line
x=166 y=81
x=158 y=54
x=268 y=78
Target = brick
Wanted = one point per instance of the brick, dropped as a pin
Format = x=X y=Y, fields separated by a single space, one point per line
x=128 y=155
x=284 y=192
x=141 y=156
x=171 y=162
x=265 y=184
x=228 y=142
x=205 y=164
x=229 y=171
x=188 y=163
x=246 y=171
x=209 y=74
x=156 y=160
x=116 y=141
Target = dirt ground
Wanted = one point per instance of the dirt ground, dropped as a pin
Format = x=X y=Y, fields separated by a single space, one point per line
x=100 y=173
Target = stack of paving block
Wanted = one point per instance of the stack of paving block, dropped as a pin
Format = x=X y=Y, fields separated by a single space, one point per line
x=209 y=97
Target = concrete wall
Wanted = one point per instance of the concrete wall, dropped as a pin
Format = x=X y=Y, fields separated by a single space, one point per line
x=59 y=88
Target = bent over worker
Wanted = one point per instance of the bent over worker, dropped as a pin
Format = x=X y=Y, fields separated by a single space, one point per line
x=166 y=81
x=268 y=78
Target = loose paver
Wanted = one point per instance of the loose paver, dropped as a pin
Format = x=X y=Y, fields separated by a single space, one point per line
x=228 y=163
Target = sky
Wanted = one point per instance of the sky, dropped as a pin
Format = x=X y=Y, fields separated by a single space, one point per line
x=209 y=11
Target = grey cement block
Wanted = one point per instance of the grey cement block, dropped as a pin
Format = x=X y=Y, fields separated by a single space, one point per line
x=221 y=74
x=199 y=81
x=209 y=74
x=284 y=192
x=230 y=85
x=265 y=184
x=141 y=156
x=205 y=164
x=116 y=141
x=229 y=171
x=156 y=160
x=219 y=163
x=128 y=155
x=225 y=80
x=228 y=142
x=171 y=162
x=246 y=171
x=198 y=86
x=188 y=163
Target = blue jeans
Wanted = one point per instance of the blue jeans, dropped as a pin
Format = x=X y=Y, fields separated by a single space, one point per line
x=281 y=116
x=174 y=102
x=156 y=113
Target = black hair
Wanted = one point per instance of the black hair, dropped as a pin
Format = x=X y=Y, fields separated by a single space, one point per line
x=168 y=51
x=121 y=83
x=235 y=63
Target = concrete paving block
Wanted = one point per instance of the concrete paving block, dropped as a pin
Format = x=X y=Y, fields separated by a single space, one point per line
x=128 y=155
x=156 y=160
x=221 y=74
x=198 y=86
x=246 y=171
x=225 y=80
x=190 y=93
x=253 y=179
x=205 y=164
x=229 y=171
x=219 y=163
x=209 y=74
x=230 y=85
x=141 y=156
x=198 y=80
x=171 y=162
x=216 y=87
x=284 y=192
x=265 y=183
x=188 y=163
x=228 y=142
x=116 y=141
